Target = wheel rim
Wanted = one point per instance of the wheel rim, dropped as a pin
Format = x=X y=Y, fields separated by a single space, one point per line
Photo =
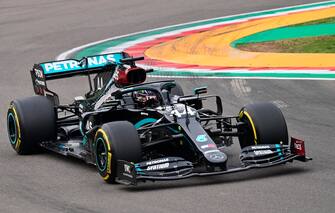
x=11 y=126
x=101 y=154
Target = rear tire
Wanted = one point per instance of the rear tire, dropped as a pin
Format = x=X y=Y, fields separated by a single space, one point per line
x=116 y=141
x=265 y=124
x=30 y=121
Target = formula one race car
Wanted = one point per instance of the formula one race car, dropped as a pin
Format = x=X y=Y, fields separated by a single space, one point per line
x=134 y=131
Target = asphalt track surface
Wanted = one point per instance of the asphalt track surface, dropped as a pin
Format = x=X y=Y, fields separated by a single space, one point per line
x=34 y=30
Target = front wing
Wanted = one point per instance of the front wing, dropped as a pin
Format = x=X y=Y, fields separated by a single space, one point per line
x=175 y=168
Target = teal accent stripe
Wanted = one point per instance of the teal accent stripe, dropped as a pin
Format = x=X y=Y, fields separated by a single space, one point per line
x=144 y=122
x=288 y=33
x=280 y=154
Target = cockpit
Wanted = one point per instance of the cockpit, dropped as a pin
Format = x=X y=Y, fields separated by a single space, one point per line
x=144 y=98
x=147 y=95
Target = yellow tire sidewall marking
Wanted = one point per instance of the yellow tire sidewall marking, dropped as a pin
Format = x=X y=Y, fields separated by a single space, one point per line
x=109 y=153
x=252 y=125
x=18 y=142
x=106 y=177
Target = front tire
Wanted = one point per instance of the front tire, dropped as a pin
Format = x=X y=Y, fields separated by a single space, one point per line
x=116 y=141
x=264 y=124
x=30 y=121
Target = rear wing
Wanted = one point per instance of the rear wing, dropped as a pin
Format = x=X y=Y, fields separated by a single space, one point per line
x=66 y=68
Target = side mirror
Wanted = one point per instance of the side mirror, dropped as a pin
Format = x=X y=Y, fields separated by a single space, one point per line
x=200 y=90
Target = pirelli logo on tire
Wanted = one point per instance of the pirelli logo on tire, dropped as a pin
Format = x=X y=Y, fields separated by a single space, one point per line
x=109 y=161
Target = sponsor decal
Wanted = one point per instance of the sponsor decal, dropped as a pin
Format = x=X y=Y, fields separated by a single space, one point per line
x=260 y=147
x=210 y=151
x=216 y=156
x=157 y=161
x=298 y=146
x=208 y=146
x=38 y=73
x=158 y=167
x=201 y=138
x=72 y=65
x=126 y=168
x=180 y=110
x=39 y=82
x=89 y=125
x=263 y=152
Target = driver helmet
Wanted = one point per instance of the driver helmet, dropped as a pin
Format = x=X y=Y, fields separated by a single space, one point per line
x=146 y=98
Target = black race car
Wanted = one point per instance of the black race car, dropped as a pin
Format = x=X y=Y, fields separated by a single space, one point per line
x=134 y=131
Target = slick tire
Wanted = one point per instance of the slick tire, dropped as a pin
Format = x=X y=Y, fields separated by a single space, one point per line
x=30 y=121
x=115 y=141
x=265 y=124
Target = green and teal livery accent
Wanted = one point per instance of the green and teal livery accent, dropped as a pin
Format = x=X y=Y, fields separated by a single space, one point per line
x=290 y=32
x=144 y=122
x=201 y=138
x=279 y=151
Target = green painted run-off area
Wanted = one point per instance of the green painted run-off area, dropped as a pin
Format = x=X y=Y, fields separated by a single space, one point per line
x=290 y=32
